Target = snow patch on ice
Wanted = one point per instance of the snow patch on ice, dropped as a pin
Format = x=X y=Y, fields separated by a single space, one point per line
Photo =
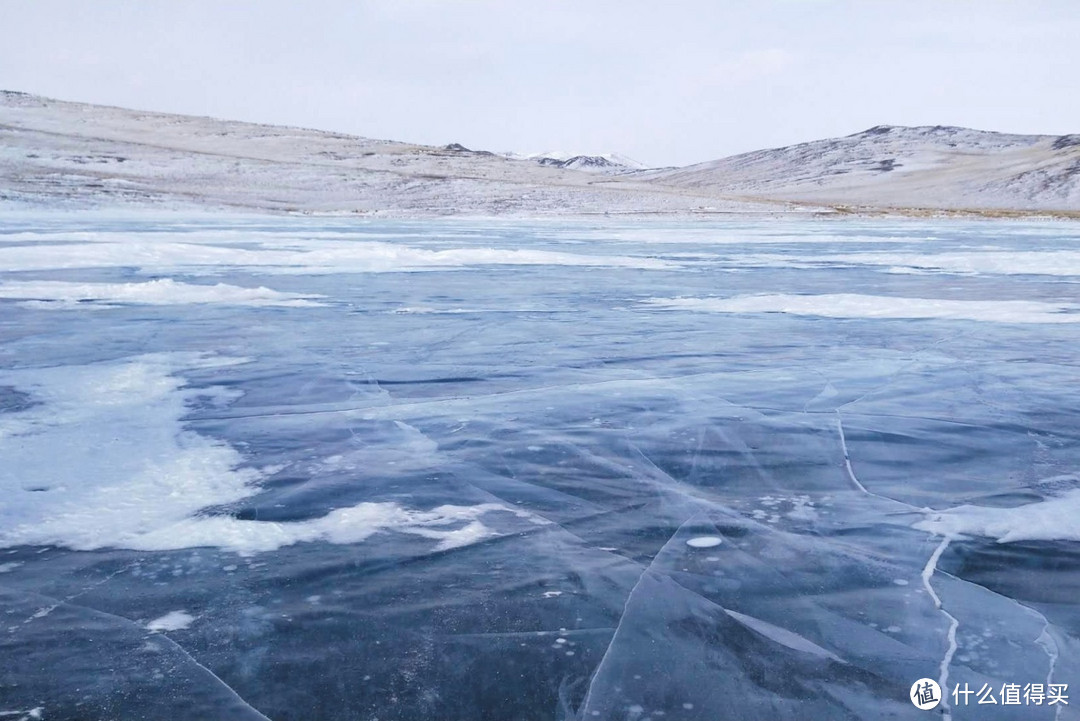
x=298 y=257
x=172 y=621
x=103 y=457
x=450 y=526
x=977 y=261
x=852 y=305
x=104 y=460
x=164 y=291
x=1052 y=519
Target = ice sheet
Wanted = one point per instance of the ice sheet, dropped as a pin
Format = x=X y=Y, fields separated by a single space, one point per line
x=165 y=291
x=853 y=305
x=543 y=488
x=992 y=260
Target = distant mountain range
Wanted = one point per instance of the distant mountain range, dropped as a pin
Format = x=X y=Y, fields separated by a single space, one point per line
x=56 y=154
x=607 y=163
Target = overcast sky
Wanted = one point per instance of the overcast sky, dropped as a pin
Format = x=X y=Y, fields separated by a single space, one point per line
x=665 y=83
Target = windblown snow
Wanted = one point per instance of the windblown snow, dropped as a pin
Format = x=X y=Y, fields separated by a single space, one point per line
x=1053 y=518
x=853 y=305
x=163 y=291
x=208 y=256
x=102 y=459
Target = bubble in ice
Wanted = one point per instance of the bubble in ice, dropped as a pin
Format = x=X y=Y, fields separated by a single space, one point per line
x=704 y=541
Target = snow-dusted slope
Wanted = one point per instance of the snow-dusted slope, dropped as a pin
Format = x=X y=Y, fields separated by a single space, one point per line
x=55 y=153
x=58 y=153
x=889 y=166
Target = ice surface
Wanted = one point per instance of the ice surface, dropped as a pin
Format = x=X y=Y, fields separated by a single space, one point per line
x=852 y=305
x=461 y=487
x=164 y=291
x=783 y=636
x=987 y=260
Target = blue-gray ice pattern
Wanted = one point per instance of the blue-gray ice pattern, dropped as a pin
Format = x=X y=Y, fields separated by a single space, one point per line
x=334 y=469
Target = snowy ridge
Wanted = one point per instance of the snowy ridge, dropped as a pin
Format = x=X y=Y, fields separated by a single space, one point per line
x=891 y=166
x=74 y=155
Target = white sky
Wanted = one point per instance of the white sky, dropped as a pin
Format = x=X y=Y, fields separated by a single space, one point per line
x=663 y=82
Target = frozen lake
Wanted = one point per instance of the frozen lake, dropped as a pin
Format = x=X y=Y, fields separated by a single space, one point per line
x=330 y=469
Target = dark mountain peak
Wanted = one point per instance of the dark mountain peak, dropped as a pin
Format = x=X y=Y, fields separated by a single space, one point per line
x=583 y=162
x=1066 y=141
x=459 y=148
x=592 y=161
x=877 y=130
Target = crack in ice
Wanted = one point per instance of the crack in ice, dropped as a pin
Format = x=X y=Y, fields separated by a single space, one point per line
x=1046 y=641
x=622 y=616
x=954 y=624
x=157 y=634
x=46 y=610
x=847 y=457
x=851 y=471
x=224 y=685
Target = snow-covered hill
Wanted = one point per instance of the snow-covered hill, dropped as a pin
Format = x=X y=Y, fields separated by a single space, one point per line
x=890 y=166
x=57 y=153
x=61 y=154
